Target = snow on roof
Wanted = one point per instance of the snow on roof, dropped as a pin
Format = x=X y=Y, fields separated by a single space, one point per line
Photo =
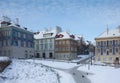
x=87 y=42
x=110 y=33
x=45 y=34
x=78 y=37
x=63 y=35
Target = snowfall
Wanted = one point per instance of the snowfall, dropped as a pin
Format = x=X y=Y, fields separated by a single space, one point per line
x=45 y=71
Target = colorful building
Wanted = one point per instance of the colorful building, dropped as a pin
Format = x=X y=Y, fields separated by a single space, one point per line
x=15 y=42
x=65 y=46
x=108 y=46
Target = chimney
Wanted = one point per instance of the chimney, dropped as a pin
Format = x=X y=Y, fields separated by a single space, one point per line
x=25 y=28
x=5 y=21
x=17 y=22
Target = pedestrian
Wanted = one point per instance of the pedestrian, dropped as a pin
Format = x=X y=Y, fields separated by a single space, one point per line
x=87 y=73
x=73 y=73
x=83 y=76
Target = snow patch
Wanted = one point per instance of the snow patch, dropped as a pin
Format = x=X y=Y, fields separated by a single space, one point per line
x=21 y=71
x=4 y=58
x=102 y=74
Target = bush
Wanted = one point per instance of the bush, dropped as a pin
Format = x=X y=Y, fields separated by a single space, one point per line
x=4 y=62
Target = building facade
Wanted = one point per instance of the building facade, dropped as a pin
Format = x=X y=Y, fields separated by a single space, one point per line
x=45 y=43
x=65 y=46
x=15 y=42
x=108 y=46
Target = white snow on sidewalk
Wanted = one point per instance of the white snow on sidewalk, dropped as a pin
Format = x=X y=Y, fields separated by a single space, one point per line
x=55 y=64
x=21 y=71
x=102 y=74
x=65 y=77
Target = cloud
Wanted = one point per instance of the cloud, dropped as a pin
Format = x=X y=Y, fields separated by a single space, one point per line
x=106 y=9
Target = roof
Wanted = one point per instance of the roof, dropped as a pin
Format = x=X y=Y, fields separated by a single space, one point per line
x=64 y=35
x=45 y=34
x=110 y=33
x=78 y=37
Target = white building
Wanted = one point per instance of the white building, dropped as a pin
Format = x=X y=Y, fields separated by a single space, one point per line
x=44 y=43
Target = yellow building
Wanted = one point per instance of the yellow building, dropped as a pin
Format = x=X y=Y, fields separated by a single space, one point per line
x=108 y=46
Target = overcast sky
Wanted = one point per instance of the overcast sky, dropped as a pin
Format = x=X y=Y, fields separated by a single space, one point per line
x=86 y=17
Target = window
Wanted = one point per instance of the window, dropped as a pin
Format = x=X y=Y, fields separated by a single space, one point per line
x=0 y=52
x=4 y=52
x=4 y=42
x=41 y=46
x=104 y=43
x=107 y=52
x=116 y=42
x=113 y=51
x=41 y=41
x=19 y=34
x=98 y=43
x=46 y=46
x=116 y=49
x=56 y=42
x=59 y=42
x=98 y=50
x=24 y=35
x=107 y=43
x=22 y=44
x=101 y=43
x=0 y=43
x=50 y=46
x=101 y=51
x=104 y=50
x=50 y=40
x=110 y=50
x=63 y=42
x=56 y=49
x=113 y=42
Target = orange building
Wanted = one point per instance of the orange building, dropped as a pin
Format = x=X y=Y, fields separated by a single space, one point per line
x=65 y=46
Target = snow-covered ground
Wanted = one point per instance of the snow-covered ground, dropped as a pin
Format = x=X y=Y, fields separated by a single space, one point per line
x=21 y=71
x=64 y=77
x=55 y=64
x=35 y=71
x=102 y=74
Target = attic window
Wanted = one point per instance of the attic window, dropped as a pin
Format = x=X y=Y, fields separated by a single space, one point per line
x=59 y=36
x=47 y=35
x=72 y=36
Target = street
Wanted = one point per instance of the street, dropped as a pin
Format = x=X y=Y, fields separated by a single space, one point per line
x=79 y=76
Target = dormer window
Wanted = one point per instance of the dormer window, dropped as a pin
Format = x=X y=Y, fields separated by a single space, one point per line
x=47 y=35
x=72 y=36
x=59 y=36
